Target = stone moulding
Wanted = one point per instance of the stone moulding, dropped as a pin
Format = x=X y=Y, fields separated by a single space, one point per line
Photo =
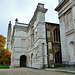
x=69 y=31
x=61 y=5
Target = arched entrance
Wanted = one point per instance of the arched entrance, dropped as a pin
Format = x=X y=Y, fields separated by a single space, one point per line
x=23 y=61
x=58 y=59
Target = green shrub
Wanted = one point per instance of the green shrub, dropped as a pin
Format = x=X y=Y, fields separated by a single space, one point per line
x=4 y=66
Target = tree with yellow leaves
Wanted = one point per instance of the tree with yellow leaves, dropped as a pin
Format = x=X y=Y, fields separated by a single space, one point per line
x=2 y=42
x=4 y=53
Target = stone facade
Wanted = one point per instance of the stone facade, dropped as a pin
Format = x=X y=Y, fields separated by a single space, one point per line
x=53 y=44
x=30 y=41
x=34 y=44
x=66 y=10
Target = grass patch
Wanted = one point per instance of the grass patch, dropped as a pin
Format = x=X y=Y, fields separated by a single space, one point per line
x=4 y=66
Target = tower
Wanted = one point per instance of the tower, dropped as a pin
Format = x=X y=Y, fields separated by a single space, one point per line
x=9 y=37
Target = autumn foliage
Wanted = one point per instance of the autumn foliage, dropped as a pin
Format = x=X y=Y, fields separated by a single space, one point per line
x=2 y=42
x=4 y=53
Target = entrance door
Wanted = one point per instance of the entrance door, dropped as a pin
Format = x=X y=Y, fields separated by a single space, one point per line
x=58 y=58
x=23 y=61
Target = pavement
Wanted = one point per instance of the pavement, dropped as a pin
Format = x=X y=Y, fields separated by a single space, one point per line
x=30 y=71
x=66 y=70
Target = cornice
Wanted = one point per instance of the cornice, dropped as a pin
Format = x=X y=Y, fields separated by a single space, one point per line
x=61 y=5
x=43 y=10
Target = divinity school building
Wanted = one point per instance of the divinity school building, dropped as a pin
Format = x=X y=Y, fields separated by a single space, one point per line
x=42 y=44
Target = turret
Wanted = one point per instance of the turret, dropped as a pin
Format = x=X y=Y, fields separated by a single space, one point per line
x=9 y=36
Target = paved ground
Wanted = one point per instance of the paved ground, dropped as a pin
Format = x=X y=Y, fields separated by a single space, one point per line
x=28 y=71
x=66 y=70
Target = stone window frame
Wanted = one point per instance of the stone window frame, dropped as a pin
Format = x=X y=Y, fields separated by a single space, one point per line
x=67 y=26
x=31 y=58
x=22 y=41
x=55 y=38
x=32 y=36
x=36 y=36
x=36 y=57
x=31 y=40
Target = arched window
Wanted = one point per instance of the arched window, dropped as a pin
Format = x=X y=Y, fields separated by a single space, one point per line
x=56 y=35
x=36 y=36
x=32 y=59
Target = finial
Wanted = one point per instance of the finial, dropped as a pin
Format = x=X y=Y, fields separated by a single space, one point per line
x=9 y=23
x=16 y=20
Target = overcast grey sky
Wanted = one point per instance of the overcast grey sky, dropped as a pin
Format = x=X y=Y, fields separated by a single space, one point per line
x=23 y=10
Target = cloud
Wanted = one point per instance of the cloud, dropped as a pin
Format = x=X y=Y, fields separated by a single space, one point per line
x=24 y=10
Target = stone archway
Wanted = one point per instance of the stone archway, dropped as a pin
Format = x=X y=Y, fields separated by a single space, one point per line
x=23 y=59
